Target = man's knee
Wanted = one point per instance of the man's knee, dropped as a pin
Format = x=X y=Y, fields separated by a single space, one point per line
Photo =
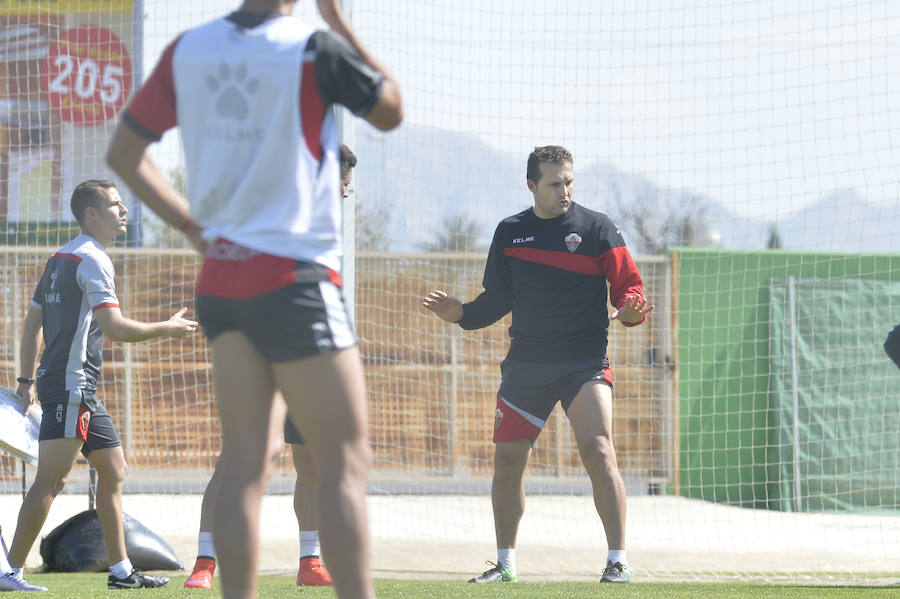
x=510 y=459
x=251 y=456
x=56 y=486
x=120 y=471
x=352 y=458
x=111 y=466
x=360 y=456
x=598 y=453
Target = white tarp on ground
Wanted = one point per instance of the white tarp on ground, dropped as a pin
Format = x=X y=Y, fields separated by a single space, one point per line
x=18 y=432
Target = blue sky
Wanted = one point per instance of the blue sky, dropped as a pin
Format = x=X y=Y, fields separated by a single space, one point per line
x=765 y=106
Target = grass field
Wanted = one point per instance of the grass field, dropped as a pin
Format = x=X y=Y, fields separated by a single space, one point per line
x=93 y=586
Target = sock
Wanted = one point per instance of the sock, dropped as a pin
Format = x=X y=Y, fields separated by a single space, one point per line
x=506 y=559
x=309 y=544
x=205 y=546
x=617 y=555
x=19 y=572
x=5 y=568
x=123 y=569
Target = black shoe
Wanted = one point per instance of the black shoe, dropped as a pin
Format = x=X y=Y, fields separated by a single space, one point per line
x=616 y=572
x=496 y=574
x=136 y=580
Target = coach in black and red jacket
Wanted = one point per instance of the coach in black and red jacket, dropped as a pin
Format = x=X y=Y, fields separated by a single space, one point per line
x=553 y=266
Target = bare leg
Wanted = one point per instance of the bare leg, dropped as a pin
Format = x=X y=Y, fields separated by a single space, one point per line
x=328 y=395
x=276 y=445
x=591 y=417
x=245 y=394
x=111 y=469
x=55 y=461
x=306 y=489
x=508 y=490
x=209 y=495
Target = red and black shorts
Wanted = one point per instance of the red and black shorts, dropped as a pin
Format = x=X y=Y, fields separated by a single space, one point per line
x=529 y=391
x=289 y=309
x=72 y=419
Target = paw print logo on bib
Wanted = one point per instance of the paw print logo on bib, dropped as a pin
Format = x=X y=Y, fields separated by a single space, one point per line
x=234 y=89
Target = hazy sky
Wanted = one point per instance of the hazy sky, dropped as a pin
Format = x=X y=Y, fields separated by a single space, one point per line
x=763 y=105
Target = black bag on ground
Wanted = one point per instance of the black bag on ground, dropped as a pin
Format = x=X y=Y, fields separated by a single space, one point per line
x=77 y=545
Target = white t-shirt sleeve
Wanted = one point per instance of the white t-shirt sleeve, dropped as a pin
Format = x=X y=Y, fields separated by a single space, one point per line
x=96 y=278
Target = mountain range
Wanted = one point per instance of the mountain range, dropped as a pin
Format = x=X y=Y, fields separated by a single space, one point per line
x=411 y=182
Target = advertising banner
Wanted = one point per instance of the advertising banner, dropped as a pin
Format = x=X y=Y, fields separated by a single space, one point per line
x=66 y=72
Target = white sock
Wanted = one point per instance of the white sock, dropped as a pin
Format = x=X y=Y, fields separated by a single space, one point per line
x=205 y=545
x=123 y=569
x=506 y=559
x=19 y=572
x=5 y=568
x=617 y=555
x=309 y=544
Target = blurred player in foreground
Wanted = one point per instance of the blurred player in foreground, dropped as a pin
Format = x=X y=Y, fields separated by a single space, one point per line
x=312 y=571
x=251 y=94
x=75 y=306
x=892 y=345
x=550 y=265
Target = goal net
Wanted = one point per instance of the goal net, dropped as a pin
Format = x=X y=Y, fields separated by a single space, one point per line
x=746 y=149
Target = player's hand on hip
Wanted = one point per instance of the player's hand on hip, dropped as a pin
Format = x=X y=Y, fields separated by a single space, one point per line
x=26 y=392
x=446 y=307
x=633 y=310
x=195 y=237
x=179 y=326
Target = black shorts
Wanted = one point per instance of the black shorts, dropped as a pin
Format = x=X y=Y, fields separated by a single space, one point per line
x=292 y=433
x=72 y=419
x=529 y=391
x=288 y=309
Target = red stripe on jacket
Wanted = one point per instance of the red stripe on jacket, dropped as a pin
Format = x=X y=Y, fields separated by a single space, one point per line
x=615 y=264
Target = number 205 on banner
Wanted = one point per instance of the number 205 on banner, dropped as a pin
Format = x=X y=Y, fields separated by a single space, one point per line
x=88 y=75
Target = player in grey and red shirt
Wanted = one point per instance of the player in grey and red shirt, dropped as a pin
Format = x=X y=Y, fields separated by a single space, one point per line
x=74 y=306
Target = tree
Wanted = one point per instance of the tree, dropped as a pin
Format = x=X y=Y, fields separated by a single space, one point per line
x=660 y=219
x=372 y=224
x=456 y=233
x=774 y=242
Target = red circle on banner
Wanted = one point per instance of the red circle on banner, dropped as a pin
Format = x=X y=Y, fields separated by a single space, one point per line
x=88 y=75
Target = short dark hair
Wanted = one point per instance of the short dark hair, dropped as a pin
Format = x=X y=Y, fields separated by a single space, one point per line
x=547 y=155
x=89 y=193
x=348 y=159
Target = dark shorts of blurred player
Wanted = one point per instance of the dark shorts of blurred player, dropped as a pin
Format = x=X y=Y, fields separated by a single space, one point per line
x=529 y=391
x=892 y=345
x=292 y=433
x=72 y=419
x=289 y=309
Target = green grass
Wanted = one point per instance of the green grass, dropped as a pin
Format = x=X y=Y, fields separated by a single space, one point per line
x=91 y=586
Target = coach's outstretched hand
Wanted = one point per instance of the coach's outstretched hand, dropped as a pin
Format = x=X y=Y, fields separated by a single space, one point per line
x=446 y=307
x=633 y=311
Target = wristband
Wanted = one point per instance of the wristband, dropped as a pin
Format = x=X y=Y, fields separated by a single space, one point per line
x=22 y=380
x=188 y=225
